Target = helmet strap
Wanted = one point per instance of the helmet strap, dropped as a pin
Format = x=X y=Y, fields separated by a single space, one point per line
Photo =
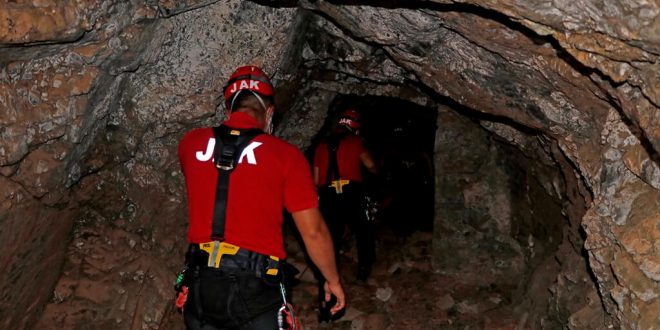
x=261 y=101
x=233 y=99
x=267 y=110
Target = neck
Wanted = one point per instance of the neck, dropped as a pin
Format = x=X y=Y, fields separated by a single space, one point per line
x=258 y=115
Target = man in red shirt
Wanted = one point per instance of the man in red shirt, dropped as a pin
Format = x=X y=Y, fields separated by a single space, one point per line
x=338 y=161
x=238 y=182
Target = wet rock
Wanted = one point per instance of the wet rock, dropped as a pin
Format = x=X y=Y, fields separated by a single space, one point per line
x=589 y=316
x=375 y=321
x=352 y=314
x=384 y=294
x=466 y=307
x=93 y=291
x=446 y=302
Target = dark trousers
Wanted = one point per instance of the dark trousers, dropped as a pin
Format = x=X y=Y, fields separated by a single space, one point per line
x=235 y=300
x=340 y=211
x=347 y=209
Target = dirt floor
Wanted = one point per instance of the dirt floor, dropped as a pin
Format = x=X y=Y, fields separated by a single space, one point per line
x=403 y=292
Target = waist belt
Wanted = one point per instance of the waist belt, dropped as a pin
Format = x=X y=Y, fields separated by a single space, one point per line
x=225 y=256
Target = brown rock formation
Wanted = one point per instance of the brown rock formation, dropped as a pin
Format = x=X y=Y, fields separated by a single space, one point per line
x=554 y=105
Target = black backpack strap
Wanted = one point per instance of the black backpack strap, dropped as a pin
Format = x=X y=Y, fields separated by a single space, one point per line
x=229 y=144
x=333 y=167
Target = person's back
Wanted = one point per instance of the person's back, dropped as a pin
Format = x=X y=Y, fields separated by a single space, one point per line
x=257 y=188
x=338 y=161
x=238 y=181
x=348 y=148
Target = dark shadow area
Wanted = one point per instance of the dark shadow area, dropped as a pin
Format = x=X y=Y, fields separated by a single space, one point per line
x=400 y=136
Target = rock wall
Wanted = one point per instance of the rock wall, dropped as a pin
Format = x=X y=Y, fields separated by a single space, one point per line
x=95 y=95
x=527 y=65
x=94 y=98
x=502 y=221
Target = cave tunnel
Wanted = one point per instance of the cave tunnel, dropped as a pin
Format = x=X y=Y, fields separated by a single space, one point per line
x=528 y=130
x=498 y=212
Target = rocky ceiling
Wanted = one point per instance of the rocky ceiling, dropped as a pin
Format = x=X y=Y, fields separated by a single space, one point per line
x=95 y=95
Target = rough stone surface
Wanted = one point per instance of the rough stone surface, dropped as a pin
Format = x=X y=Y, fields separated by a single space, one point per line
x=77 y=147
x=559 y=155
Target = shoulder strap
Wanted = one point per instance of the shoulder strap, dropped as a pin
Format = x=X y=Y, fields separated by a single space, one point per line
x=229 y=144
x=333 y=166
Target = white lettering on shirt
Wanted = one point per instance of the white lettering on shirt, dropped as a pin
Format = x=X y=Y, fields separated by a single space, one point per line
x=248 y=152
x=205 y=156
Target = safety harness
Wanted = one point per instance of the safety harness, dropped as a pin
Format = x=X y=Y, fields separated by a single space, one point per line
x=229 y=145
x=332 y=178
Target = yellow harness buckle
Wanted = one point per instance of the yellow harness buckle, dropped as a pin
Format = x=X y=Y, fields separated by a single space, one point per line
x=216 y=250
x=273 y=262
x=339 y=185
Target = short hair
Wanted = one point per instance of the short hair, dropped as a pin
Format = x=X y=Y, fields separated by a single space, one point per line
x=250 y=100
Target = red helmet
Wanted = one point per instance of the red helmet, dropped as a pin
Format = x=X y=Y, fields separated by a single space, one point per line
x=250 y=78
x=350 y=119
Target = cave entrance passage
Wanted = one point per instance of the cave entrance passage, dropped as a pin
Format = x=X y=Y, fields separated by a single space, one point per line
x=400 y=136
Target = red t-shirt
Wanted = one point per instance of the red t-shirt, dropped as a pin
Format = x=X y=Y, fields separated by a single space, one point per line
x=271 y=175
x=348 y=159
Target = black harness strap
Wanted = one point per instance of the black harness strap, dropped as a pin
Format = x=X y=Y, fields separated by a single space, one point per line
x=333 y=167
x=229 y=144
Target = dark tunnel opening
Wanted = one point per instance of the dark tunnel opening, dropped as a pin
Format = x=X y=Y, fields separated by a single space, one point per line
x=400 y=136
